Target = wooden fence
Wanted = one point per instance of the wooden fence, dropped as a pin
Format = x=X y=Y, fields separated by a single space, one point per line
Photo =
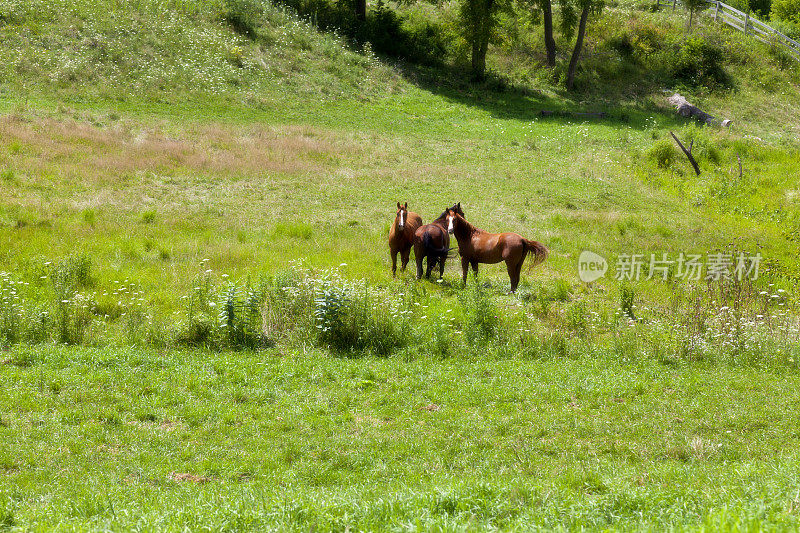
x=745 y=23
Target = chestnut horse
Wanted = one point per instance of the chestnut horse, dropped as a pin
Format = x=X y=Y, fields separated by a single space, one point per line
x=401 y=235
x=477 y=246
x=433 y=241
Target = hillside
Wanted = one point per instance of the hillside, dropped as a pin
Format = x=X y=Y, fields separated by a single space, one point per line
x=179 y=52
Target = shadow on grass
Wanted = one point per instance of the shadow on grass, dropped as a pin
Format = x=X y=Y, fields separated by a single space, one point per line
x=505 y=100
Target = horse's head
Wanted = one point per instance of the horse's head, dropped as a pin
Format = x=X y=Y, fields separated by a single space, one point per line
x=457 y=209
x=401 y=216
x=453 y=217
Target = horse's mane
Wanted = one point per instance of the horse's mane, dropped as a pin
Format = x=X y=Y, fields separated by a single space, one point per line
x=444 y=214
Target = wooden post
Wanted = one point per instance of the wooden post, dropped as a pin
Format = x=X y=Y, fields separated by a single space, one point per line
x=716 y=10
x=673 y=4
x=746 y=21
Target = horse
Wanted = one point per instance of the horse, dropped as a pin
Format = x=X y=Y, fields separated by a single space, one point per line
x=433 y=241
x=478 y=246
x=401 y=235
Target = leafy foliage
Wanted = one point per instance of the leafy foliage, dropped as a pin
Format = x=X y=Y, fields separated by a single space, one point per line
x=699 y=63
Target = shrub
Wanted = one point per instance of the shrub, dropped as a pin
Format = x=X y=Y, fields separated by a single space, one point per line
x=73 y=318
x=626 y=301
x=577 y=318
x=72 y=274
x=73 y=311
x=699 y=63
x=411 y=36
x=288 y=307
x=10 y=310
x=240 y=316
x=242 y=16
x=200 y=324
x=786 y=10
x=480 y=314
x=637 y=41
x=89 y=216
x=663 y=153
x=350 y=318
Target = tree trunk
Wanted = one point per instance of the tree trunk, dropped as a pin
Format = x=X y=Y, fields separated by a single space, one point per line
x=576 y=52
x=361 y=9
x=549 y=41
x=478 y=60
x=480 y=42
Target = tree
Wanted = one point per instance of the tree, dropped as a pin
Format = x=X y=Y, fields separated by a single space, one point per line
x=549 y=42
x=479 y=17
x=693 y=6
x=587 y=7
x=361 y=9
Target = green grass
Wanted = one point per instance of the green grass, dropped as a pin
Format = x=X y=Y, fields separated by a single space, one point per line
x=297 y=441
x=139 y=199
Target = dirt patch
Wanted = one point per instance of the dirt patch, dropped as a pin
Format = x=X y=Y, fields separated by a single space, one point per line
x=188 y=478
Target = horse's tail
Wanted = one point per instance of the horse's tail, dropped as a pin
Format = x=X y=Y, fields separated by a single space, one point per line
x=431 y=250
x=538 y=249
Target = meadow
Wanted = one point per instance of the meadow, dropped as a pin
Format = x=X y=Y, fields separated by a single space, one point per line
x=200 y=329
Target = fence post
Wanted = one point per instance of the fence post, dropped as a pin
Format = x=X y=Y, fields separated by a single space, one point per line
x=673 y=4
x=716 y=10
x=746 y=21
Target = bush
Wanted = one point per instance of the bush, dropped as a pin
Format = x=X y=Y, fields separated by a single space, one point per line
x=73 y=318
x=200 y=325
x=73 y=311
x=637 y=41
x=663 y=153
x=786 y=10
x=242 y=16
x=240 y=316
x=10 y=310
x=699 y=63
x=351 y=319
x=627 y=298
x=480 y=314
x=410 y=37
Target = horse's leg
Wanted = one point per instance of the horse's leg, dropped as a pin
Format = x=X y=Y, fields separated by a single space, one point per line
x=464 y=268
x=404 y=256
x=441 y=267
x=394 y=262
x=430 y=265
x=474 y=263
x=514 y=270
x=418 y=257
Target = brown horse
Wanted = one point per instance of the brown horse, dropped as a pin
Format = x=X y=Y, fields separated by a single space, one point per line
x=401 y=235
x=433 y=241
x=477 y=246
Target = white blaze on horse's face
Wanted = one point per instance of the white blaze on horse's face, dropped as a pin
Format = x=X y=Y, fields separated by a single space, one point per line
x=450 y=228
x=402 y=223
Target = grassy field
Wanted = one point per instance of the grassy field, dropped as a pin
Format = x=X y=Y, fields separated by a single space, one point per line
x=125 y=439
x=200 y=330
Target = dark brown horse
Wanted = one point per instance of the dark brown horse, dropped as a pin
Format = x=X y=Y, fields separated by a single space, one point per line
x=433 y=241
x=477 y=246
x=401 y=235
